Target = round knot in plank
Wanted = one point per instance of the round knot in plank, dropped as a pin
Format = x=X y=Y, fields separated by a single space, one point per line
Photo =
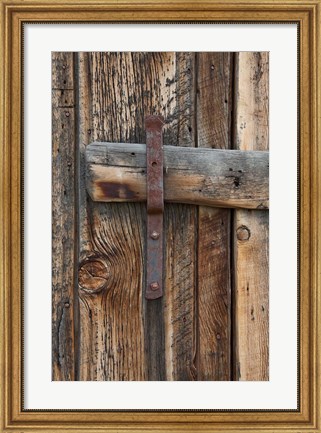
x=243 y=233
x=93 y=275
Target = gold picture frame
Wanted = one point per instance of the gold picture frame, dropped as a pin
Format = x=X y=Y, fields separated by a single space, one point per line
x=14 y=13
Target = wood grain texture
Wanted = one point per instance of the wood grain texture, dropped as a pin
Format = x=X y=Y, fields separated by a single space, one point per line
x=251 y=229
x=214 y=103
x=115 y=333
x=90 y=274
x=111 y=335
x=221 y=178
x=63 y=216
x=180 y=230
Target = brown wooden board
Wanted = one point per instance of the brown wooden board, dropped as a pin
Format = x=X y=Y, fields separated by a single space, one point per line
x=251 y=228
x=202 y=327
x=220 y=178
x=214 y=105
x=64 y=243
x=180 y=232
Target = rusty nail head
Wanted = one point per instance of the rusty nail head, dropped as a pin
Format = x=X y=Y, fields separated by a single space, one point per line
x=154 y=235
x=154 y=285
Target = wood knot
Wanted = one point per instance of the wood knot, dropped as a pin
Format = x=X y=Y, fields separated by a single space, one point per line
x=93 y=275
x=243 y=233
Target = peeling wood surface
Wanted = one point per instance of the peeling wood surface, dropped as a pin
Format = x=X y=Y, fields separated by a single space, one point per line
x=103 y=328
x=251 y=228
x=221 y=178
x=63 y=217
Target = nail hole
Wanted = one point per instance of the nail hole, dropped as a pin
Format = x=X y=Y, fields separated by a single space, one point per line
x=154 y=164
x=236 y=182
x=133 y=154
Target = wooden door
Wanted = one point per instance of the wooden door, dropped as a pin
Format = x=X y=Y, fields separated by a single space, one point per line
x=212 y=322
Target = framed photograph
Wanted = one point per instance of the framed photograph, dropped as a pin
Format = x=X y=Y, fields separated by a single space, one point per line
x=159 y=220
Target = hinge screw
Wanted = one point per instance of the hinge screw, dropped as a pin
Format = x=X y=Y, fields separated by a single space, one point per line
x=154 y=235
x=154 y=285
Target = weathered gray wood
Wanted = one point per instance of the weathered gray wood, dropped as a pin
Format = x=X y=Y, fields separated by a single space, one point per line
x=64 y=241
x=117 y=334
x=180 y=228
x=221 y=178
x=214 y=107
x=91 y=273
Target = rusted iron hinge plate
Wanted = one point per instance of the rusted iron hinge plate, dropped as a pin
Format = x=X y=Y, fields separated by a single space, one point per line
x=155 y=206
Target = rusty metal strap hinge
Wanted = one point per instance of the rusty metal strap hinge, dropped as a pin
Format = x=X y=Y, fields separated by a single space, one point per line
x=155 y=206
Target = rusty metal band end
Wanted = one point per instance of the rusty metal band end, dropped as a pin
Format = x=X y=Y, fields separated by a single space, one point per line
x=155 y=206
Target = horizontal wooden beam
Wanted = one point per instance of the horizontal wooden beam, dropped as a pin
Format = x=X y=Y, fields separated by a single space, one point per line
x=116 y=172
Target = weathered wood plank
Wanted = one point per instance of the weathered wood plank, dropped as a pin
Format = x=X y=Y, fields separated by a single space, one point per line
x=180 y=231
x=251 y=245
x=112 y=343
x=229 y=183
x=222 y=178
x=63 y=216
x=91 y=271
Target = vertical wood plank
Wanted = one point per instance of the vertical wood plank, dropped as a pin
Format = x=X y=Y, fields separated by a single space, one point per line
x=63 y=216
x=214 y=105
x=251 y=228
x=111 y=281
x=180 y=240
x=91 y=271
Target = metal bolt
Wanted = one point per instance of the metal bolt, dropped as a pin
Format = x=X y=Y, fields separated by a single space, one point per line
x=154 y=235
x=154 y=285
